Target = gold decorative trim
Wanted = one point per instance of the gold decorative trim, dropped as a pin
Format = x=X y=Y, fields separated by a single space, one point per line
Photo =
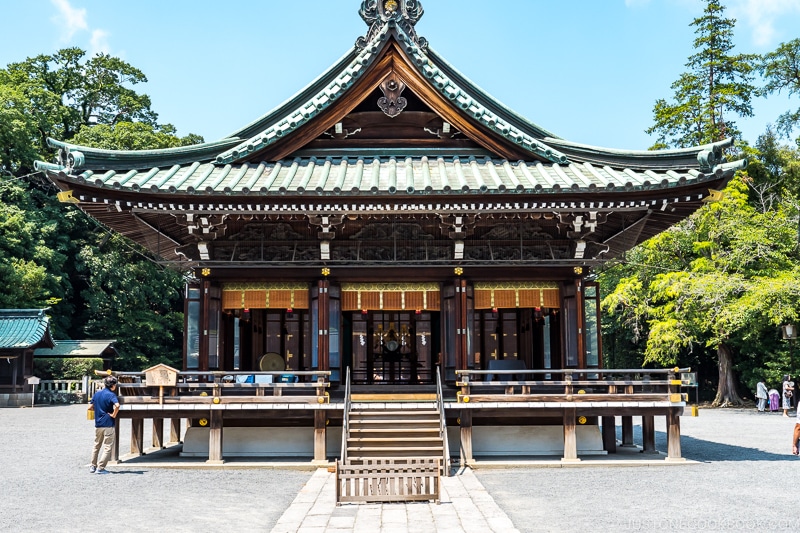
x=389 y=287
x=512 y=285
x=261 y=286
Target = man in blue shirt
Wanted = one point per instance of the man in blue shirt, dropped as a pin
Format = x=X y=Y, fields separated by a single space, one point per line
x=106 y=406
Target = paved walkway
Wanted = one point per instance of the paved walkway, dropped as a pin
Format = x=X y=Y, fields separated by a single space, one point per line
x=465 y=506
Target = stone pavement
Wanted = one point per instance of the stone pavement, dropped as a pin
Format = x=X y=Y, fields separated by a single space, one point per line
x=465 y=506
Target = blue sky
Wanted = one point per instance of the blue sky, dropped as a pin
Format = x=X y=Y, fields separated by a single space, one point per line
x=589 y=71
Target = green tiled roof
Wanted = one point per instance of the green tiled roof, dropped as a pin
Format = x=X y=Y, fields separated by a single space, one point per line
x=80 y=348
x=24 y=328
x=388 y=176
x=554 y=165
x=462 y=96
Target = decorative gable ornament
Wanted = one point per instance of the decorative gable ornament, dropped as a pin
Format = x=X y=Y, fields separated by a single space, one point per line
x=391 y=103
x=403 y=13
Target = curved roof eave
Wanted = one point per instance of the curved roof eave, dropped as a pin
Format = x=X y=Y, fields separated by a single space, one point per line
x=705 y=156
x=99 y=158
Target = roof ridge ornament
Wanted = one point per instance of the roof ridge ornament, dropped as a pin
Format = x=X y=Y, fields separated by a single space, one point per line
x=403 y=13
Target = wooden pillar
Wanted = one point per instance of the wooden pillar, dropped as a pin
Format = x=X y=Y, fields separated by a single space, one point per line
x=570 y=437
x=674 y=435
x=204 y=306
x=137 y=436
x=581 y=325
x=466 y=437
x=627 y=432
x=215 y=437
x=115 y=447
x=609 y=434
x=158 y=433
x=320 y=437
x=461 y=324
x=648 y=434
x=323 y=310
x=174 y=430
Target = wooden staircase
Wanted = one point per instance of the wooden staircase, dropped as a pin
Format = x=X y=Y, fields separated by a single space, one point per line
x=393 y=447
x=391 y=433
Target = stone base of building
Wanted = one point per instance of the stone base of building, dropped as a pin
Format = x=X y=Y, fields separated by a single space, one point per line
x=17 y=399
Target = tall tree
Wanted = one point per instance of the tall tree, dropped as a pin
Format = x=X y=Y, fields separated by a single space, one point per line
x=723 y=280
x=51 y=254
x=781 y=69
x=64 y=91
x=717 y=87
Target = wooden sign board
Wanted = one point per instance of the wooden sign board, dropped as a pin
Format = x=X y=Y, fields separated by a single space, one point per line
x=161 y=376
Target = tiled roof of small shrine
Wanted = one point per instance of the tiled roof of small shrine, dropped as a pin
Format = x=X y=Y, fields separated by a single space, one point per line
x=78 y=349
x=24 y=328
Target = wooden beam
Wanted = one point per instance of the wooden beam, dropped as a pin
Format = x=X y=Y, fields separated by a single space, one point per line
x=320 y=434
x=570 y=437
x=174 y=430
x=115 y=448
x=158 y=433
x=648 y=434
x=627 y=432
x=674 y=435
x=137 y=436
x=215 y=437
x=609 y=434
x=466 y=438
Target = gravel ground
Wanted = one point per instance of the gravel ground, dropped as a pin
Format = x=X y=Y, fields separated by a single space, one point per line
x=739 y=483
x=45 y=484
x=745 y=480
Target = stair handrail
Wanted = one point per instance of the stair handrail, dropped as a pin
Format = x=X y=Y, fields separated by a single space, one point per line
x=442 y=424
x=346 y=416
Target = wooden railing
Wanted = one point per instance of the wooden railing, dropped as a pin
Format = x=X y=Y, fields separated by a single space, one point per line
x=442 y=424
x=226 y=387
x=346 y=417
x=573 y=385
x=389 y=480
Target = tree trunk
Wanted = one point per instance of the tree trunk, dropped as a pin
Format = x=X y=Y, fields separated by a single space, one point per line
x=726 y=389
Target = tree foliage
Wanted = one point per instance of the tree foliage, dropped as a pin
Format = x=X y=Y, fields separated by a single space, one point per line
x=53 y=255
x=132 y=136
x=717 y=87
x=132 y=299
x=718 y=283
x=781 y=69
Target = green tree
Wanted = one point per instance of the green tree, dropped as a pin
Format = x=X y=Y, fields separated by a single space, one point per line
x=724 y=280
x=131 y=299
x=17 y=128
x=717 y=87
x=781 y=70
x=53 y=255
x=132 y=136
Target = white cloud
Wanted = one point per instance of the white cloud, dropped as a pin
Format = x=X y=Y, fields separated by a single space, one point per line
x=760 y=16
x=99 y=42
x=69 y=19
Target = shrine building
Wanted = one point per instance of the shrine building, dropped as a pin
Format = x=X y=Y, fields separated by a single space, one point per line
x=393 y=221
